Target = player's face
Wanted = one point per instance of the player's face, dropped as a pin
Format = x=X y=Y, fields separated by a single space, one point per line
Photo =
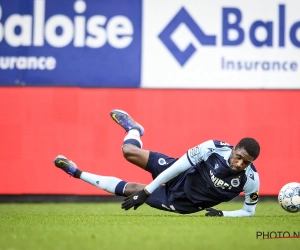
x=239 y=160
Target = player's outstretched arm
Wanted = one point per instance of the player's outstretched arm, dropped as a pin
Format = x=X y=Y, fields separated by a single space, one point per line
x=251 y=197
x=247 y=210
x=178 y=167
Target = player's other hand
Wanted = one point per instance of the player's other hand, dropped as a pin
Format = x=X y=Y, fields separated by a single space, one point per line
x=135 y=200
x=213 y=212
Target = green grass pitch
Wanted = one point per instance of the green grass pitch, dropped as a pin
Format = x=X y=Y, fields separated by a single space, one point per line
x=105 y=226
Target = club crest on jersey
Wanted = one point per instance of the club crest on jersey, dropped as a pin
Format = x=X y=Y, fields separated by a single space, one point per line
x=235 y=182
x=162 y=161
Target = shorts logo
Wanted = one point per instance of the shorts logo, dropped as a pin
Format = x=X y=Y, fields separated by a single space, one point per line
x=162 y=161
x=235 y=182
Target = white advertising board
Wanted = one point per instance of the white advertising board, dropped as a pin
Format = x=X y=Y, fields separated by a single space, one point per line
x=221 y=44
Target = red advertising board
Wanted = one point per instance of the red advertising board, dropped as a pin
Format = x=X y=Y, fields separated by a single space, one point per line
x=37 y=124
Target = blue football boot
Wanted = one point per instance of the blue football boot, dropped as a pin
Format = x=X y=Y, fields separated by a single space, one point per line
x=125 y=121
x=66 y=165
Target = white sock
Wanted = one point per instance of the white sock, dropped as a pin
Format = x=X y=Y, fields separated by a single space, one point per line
x=107 y=183
x=134 y=135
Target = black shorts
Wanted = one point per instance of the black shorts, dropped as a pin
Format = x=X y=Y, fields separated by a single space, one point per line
x=169 y=197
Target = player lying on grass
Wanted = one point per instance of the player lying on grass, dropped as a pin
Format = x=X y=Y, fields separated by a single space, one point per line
x=208 y=174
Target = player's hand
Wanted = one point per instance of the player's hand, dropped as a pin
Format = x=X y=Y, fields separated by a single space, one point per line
x=213 y=212
x=135 y=200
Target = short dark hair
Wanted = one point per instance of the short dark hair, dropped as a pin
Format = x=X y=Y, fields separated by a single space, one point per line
x=250 y=145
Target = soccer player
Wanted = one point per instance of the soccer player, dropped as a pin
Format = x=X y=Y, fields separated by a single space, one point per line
x=206 y=175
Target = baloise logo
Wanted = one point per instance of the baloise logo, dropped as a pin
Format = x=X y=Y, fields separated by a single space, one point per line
x=44 y=27
x=183 y=17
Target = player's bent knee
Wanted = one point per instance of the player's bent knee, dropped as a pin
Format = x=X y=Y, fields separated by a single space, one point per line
x=135 y=155
x=130 y=151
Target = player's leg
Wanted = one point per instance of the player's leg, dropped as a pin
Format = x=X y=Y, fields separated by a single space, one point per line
x=152 y=162
x=135 y=155
x=132 y=145
x=110 y=184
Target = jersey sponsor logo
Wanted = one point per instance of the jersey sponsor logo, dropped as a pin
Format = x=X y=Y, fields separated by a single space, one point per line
x=254 y=196
x=216 y=165
x=162 y=161
x=219 y=183
x=235 y=182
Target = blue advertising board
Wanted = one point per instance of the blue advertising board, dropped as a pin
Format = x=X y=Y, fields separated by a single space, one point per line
x=85 y=43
